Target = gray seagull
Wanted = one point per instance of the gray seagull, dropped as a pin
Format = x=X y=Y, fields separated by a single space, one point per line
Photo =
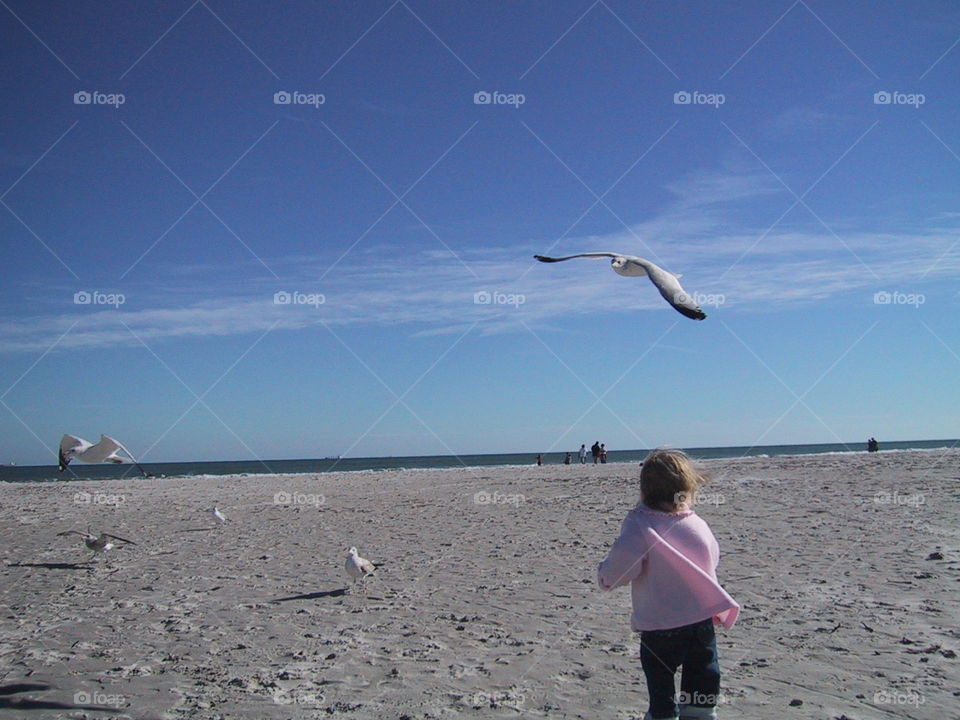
x=97 y=544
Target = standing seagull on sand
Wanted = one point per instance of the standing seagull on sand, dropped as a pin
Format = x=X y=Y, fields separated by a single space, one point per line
x=358 y=567
x=217 y=515
x=97 y=544
x=632 y=266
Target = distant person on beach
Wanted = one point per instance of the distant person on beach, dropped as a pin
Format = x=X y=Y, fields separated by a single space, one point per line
x=603 y=453
x=595 y=451
x=668 y=556
x=539 y=459
x=566 y=459
x=872 y=445
x=583 y=454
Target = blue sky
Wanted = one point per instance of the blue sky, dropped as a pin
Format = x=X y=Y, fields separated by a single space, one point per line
x=807 y=192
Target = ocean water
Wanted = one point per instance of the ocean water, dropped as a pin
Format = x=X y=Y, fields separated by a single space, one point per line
x=79 y=471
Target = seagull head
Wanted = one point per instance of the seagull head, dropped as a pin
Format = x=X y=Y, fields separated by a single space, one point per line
x=353 y=551
x=618 y=262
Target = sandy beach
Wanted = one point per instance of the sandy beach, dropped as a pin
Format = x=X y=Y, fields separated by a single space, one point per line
x=846 y=566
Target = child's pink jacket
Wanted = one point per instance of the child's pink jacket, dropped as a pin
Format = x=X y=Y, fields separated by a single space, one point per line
x=670 y=561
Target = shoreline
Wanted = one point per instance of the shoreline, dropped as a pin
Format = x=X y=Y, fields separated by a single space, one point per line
x=472 y=468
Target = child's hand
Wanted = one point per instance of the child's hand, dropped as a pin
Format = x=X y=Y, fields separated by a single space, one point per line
x=600 y=581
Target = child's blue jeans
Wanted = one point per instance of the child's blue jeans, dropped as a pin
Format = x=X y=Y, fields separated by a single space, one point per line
x=663 y=651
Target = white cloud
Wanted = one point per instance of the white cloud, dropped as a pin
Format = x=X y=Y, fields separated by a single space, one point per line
x=431 y=291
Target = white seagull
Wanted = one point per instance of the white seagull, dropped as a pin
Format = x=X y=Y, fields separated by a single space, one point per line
x=107 y=450
x=97 y=544
x=632 y=266
x=217 y=515
x=358 y=567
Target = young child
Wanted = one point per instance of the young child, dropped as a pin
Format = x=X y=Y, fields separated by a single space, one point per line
x=669 y=557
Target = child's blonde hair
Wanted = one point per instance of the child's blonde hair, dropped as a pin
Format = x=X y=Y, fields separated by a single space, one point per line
x=669 y=481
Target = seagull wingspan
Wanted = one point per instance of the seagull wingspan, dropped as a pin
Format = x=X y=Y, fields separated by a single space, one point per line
x=544 y=258
x=74 y=532
x=666 y=282
x=115 y=537
x=107 y=450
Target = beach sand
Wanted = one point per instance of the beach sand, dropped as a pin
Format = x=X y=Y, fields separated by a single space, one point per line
x=847 y=568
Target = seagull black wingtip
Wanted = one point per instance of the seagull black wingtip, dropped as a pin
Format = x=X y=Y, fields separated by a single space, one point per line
x=697 y=314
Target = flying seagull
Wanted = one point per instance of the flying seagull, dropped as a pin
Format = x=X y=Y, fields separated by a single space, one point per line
x=97 y=544
x=107 y=450
x=632 y=266
x=358 y=567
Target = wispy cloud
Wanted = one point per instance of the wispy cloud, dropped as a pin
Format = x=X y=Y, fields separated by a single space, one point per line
x=430 y=291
